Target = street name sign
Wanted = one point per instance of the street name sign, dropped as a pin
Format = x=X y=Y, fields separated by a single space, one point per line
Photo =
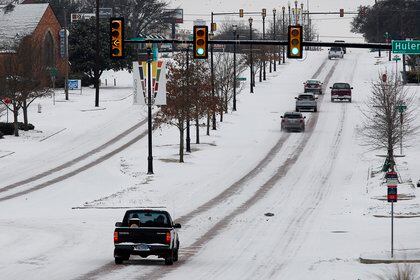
x=406 y=47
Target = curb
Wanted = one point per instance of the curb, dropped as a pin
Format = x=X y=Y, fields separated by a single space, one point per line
x=376 y=261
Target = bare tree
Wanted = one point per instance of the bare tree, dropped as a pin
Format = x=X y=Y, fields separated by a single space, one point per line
x=386 y=122
x=225 y=77
x=23 y=78
x=188 y=93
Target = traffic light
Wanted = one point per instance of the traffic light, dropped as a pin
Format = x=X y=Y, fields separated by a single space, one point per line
x=264 y=13
x=341 y=12
x=241 y=12
x=201 y=36
x=294 y=45
x=117 y=37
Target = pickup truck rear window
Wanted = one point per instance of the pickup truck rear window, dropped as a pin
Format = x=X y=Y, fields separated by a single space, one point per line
x=335 y=49
x=341 y=86
x=292 y=116
x=148 y=218
x=306 y=97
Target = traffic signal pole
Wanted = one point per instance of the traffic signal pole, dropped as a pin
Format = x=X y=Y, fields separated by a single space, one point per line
x=149 y=110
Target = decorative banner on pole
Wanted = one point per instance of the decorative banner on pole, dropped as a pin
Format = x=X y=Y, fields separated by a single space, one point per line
x=139 y=92
x=158 y=82
x=160 y=89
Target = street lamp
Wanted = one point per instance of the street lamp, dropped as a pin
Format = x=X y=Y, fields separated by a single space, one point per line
x=251 y=60
x=235 y=28
x=274 y=38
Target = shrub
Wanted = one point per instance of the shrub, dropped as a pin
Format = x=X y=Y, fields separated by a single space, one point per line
x=21 y=126
x=7 y=128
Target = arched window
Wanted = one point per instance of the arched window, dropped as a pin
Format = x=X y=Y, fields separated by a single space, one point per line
x=49 y=57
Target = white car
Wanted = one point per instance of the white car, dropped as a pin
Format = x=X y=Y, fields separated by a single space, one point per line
x=335 y=52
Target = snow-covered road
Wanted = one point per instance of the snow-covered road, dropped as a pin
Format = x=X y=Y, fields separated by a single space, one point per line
x=312 y=182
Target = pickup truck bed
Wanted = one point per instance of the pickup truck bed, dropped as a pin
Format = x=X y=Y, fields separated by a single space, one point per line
x=146 y=235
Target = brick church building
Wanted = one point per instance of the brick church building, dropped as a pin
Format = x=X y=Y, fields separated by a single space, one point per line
x=36 y=22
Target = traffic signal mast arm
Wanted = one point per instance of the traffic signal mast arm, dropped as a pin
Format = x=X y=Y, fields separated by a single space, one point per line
x=268 y=43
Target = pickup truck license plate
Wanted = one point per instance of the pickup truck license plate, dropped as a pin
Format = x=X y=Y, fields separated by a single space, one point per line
x=141 y=247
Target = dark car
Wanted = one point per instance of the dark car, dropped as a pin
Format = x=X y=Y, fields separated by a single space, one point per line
x=341 y=41
x=293 y=121
x=146 y=232
x=312 y=85
x=341 y=91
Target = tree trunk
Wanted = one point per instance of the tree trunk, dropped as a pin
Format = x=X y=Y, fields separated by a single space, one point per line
x=197 y=130
x=208 y=124
x=25 y=115
x=15 y=119
x=261 y=71
x=226 y=103
x=221 y=111
x=181 y=142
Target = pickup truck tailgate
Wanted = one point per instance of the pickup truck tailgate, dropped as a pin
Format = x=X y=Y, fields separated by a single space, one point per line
x=142 y=235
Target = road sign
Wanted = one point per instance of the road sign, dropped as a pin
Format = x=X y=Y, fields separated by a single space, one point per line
x=105 y=12
x=74 y=84
x=53 y=71
x=81 y=16
x=391 y=178
x=396 y=58
x=241 y=79
x=63 y=51
x=392 y=195
x=406 y=47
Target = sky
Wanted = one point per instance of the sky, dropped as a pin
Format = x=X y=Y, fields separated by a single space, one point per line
x=330 y=27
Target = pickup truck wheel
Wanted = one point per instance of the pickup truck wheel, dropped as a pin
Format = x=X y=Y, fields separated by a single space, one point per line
x=332 y=99
x=118 y=260
x=176 y=255
x=350 y=100
x=169 y=260
x=315 y=109
x=297 y=109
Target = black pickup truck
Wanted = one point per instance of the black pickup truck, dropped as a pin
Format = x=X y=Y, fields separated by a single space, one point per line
x=146 y=232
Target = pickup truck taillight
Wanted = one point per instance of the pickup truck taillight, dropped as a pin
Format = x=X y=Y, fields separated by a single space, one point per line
x=115 y=236
x=168 y=238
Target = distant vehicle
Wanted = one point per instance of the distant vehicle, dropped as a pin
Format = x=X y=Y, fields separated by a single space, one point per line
x=313 y=86
x=335 y=52
x=306 y=101
x=293 y=121
x=341 y=91
x=146 y=232
x=341 y=41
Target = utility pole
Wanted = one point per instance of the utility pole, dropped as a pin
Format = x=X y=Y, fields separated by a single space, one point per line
x=188 y=139
x=212 y=69
x=264 y=56
x=283 y=32
x=149 y=108
x=251 y=60
x=234 y=67
x=377 y=27
x=66 y=57
x=274 y=38
x=97 y=60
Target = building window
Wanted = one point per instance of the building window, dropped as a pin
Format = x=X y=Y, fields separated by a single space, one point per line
x=49 y=57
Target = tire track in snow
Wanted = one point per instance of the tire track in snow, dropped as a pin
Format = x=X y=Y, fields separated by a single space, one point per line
x=230 y=191
x=73 y=161
x=214 y=231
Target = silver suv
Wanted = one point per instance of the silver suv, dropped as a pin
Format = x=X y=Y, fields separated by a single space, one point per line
x=306 y=101
x=293 y=121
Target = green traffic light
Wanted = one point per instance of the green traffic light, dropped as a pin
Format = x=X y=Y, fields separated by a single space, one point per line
x=295 y=51
x=200 y=51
